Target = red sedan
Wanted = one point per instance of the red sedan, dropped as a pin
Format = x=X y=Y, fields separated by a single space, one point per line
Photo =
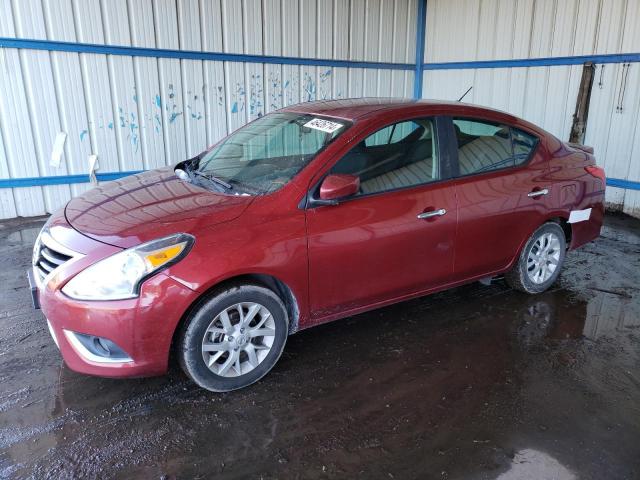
x=313 y=213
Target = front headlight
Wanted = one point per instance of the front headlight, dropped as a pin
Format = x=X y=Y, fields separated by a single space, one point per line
x=119 y=276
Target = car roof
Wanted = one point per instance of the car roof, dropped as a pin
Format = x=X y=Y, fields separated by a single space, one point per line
x=356 y=108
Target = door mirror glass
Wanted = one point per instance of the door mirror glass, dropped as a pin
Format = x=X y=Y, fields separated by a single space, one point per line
x=339 y=185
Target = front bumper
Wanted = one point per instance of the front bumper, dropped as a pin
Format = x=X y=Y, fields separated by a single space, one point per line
x=143 y=327
x=33 y=288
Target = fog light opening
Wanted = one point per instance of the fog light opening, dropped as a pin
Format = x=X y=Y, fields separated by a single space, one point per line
x=101 y=346
x=97 y=349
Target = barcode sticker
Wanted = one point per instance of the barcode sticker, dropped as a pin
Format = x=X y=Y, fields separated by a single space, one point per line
x=323 y=125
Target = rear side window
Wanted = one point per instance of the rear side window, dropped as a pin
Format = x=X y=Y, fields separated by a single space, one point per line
x=484 y=146
x=523 y=145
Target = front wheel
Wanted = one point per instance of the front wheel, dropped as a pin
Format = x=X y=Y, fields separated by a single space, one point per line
x=540 y=261
x=233 y=338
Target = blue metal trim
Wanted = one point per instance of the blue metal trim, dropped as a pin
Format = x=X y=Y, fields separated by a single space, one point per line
x=50 y=45
x=421 y=30
x=628 y=184
x=61 y=179
x=536 y=62
x=105 y=177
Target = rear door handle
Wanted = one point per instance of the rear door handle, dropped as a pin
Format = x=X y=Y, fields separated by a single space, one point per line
x=434 y=213
x=538 y=193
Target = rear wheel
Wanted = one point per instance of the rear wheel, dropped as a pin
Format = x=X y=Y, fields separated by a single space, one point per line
x=540 y=261
x=233 y=338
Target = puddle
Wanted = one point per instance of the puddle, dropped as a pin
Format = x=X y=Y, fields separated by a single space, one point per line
x=477 y=382
x=27 y=236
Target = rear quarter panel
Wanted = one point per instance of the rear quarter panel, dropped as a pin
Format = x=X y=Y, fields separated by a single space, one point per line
x=573 y=188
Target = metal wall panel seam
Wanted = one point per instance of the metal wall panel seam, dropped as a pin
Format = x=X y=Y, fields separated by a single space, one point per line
x=365 y=46
x=393 y=40
x=420 y=44
x=69 y=82
x=407 y=51
x=41 y=101
x=7 y=198
x=17 y=133
x=171 y=92
x=51 y=45
x=379 y=49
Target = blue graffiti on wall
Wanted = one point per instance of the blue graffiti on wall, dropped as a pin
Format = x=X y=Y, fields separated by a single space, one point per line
x=256 y=95
x=275 y=92
x=309 y=87
x=238 y=99
x=170 y=106
x=195 y=114
x=325 y=84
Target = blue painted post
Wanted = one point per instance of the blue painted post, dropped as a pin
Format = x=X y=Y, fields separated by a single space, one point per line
x=421 y=31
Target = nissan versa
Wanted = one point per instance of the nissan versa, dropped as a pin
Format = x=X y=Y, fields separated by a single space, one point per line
x=315 y=212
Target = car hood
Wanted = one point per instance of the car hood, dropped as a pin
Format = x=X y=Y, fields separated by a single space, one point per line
x=149 y=205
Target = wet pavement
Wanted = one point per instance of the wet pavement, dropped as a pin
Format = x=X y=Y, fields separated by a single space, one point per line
x=478 y=382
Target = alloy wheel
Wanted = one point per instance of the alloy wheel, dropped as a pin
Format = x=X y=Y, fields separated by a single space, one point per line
x=543 y=258
x=238 y=339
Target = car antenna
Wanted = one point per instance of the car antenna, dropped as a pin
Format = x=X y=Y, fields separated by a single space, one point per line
x=465 y=93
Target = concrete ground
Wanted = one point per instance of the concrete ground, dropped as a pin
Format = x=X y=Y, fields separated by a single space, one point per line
x=478 y=382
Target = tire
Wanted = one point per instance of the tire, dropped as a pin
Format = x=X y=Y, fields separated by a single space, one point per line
x=526 y=275
x=214 y=346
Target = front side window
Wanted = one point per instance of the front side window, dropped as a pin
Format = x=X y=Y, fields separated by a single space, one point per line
x=265 y=154
x=484 y=146
x=400 y=155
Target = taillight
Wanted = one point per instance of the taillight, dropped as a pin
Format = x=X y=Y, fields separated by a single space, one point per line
x=597 y=172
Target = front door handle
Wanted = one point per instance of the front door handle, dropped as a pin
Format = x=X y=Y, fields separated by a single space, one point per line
x=538 y=193
x=434 y=213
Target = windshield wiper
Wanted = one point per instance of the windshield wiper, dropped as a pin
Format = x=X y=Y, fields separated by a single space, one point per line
x=213 y=178
x=191 y=171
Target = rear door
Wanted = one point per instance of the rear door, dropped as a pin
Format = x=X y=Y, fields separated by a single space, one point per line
x=379 y=244
x=501 y=187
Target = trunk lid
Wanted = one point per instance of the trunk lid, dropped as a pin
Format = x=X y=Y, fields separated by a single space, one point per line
x=582 y=148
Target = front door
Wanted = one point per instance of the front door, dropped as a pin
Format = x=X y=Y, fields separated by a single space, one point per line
x=396 y=236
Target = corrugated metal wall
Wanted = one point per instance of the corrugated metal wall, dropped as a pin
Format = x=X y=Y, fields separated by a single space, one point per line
x=473 y=30
x=139 y=112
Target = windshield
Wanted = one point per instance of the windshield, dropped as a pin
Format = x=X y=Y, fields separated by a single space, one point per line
x=264 y=155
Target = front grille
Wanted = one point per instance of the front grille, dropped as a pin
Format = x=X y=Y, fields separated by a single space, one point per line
x=47 y=258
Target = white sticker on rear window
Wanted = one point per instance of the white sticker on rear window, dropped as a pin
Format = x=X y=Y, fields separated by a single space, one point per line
x=324 y=125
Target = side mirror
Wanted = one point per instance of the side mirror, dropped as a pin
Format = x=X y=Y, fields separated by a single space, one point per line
x=339 y=185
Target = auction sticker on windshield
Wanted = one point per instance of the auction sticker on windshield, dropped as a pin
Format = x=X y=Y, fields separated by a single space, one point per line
x=323 y=125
